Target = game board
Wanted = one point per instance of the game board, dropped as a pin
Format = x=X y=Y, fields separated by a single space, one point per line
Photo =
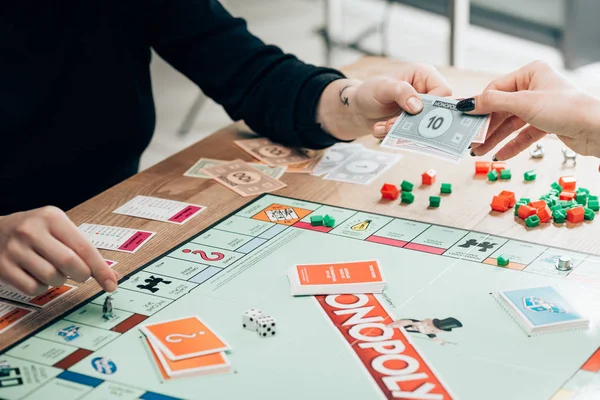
x=326 y=346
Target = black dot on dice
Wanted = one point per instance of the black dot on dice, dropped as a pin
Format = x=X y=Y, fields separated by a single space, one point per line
x=265 y=325
x=272 y=333
x=268 y=329
x=244 y=325
x=264 y=334
x=273 y=324
x=251 y=320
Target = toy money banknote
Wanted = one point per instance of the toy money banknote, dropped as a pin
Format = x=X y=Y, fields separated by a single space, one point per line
x=440 y=126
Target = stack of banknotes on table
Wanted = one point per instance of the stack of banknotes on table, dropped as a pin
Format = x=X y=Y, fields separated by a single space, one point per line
x=439 y=130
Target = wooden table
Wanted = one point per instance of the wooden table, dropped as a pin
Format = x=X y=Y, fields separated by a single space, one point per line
x=467 y=207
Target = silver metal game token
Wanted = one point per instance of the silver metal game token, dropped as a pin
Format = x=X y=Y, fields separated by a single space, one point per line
x=538 y=152
x=569 y=155
x=564 y=263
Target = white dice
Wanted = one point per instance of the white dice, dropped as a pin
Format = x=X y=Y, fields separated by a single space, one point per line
x=265 y=326
x=249 y=319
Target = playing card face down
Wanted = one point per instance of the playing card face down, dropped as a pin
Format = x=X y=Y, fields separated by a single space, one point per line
x=184 y=338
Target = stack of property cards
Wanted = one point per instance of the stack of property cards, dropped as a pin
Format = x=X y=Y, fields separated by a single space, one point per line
x=336 y=278
x=541 y=310
x=186 y=347
x=439 y=129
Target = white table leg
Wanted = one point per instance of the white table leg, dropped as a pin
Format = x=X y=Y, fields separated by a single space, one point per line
x=335 y=19
x=459 y=24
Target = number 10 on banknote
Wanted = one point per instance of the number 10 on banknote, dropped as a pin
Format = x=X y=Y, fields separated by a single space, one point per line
x=440 y=125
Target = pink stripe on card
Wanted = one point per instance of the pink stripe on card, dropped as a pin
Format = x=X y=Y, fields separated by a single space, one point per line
x=389 y=242
x=306 y=225
x=185 y=214
x=135 y=241
x=424 y=249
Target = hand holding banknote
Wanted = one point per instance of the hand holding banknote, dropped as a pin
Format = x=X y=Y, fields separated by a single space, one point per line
x=539 y=100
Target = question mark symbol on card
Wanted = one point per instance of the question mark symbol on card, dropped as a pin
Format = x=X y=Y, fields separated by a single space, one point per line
x=178 y=337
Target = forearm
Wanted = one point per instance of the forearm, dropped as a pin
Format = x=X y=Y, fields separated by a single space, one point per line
x=337 y=112
x=588 y=120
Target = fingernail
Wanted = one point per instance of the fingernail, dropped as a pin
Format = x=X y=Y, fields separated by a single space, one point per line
x=494 y=159
x=472 y=154
x=379 y=130
x=110 y=285
x=415 y=104
x=466 y=105
x=470 y=146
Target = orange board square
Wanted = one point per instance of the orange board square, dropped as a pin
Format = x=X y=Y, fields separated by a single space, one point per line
x=281 y=214
x=184 y=338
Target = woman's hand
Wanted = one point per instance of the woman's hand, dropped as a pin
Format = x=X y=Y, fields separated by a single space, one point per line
x=539 y=100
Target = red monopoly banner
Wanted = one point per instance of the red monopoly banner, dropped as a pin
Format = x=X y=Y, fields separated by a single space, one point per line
x=392 y=361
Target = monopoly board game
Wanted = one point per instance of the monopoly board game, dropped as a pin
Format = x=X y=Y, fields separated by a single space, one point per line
x=450 y=339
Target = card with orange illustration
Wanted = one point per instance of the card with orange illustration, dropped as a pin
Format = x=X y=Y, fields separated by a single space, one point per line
x=201 y=365
x=184 y=338
x=337 y=278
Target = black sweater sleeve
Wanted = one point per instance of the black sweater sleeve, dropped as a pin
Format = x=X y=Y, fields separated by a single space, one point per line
x=274 y=93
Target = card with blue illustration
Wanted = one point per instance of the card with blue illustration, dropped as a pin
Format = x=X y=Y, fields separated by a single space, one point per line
x=541 y=309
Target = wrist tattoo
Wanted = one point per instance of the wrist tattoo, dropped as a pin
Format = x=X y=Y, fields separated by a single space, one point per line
x=344 y=98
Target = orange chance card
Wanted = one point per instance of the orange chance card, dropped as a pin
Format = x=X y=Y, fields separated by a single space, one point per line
x=344 y=273
x=184 y=338
x=210 y=363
